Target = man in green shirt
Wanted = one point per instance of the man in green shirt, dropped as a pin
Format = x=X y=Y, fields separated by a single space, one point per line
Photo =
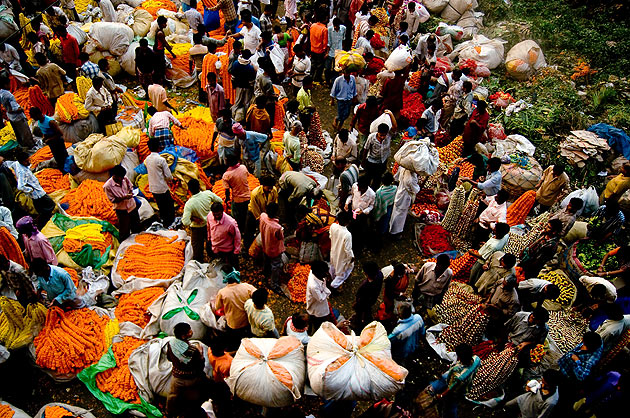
x=195 y=214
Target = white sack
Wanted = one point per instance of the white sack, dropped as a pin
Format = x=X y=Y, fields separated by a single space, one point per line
x=112 y=37
x=418 y=156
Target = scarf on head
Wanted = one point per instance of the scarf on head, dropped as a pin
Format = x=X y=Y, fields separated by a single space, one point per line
x=234 y=274
x=179 y=349
x=26 y=225
x=243 y=61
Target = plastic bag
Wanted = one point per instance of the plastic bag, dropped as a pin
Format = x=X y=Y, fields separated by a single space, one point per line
x=456 y=8
x=112 y=37
x=471 y=22
x=351 y=367
x=496 y=132
x=97 y=154
x=130 y=136
x=513 y=143
x=418 y=156
x=589 y=197
x=457 y=32
x=141 y=22
x=524 y=59
x=399 y=58
x=268 y=372
x=75 y=30
x=577 y=231
x=481 y=49
x=74 y=410
x=17 y=412
x=79 y=130
x=351 y=60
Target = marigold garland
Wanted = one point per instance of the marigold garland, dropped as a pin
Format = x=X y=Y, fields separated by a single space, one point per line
x=118 y=380
x=56 y=411
x=52 y=180
x=74 y=275
x=89 y=199
x=69 y=108
x=133 y=307
x=43 y=154
x=452 y=151
x=154 y=257
x=297 y=284
x=10 y=248
x=37 y=99
x=152 y=6
x=6 y=411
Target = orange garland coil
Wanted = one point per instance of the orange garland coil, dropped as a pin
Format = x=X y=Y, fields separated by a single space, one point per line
x=118 y=380
x=10 y=248
x=52 y=180
x=89 y=199
x=43 y=154
x=37 y=99
x=152 y=6
x=297 y=283
x=6 y=411
x=73 y=274
x=133 y=307
x=518 y=211
x=56 y=411
x=70 y=341
x=154 y=257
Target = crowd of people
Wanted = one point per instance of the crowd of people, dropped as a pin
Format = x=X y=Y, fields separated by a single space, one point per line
x=493 y=320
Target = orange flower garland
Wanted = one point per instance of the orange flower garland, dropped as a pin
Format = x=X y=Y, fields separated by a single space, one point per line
x=297 y=284
x=52 y=180
x=197 y=136
x=118 y=380
x=152 y=6
x=10 y=248
x=70 y=341
x=56 y=412
x=132 y=307
x=43 y=154
x=89 y=199
x=452 y=151
x=154 y=257
x=6 y=411
x=518 y=211
x=73 y=274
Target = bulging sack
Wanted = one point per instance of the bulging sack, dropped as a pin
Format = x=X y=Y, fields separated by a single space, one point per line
x=268 y=372
x=489 y=52
x=112 y=37
x=97 y=153
x=418 y=156
x=456 y=8
x=524 y=59
x=399 y=59
x=351 y=367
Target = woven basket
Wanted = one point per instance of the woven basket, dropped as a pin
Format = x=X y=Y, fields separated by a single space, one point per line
x=574 y=266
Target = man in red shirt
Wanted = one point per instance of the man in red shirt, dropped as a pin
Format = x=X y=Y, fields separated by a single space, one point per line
x=69 y=52
x=237 y=190
x=362 y=119
x=319 y=47
x=272 y=235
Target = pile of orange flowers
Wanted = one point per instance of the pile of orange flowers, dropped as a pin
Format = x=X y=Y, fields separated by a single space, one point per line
x=6 y=411
x=452 y=151
x=56 y=411
x=219 y=190
x=154 y=257
x=461 y=267
x=297 y=284
x=52 y=180
x=73 y=274
x=21 y=96
x=197 y=136
x=72 y=245
x=582 y=69
x=69 y=108
x=43 y=154
x=89 y=199
x=152 y=6
x=118 y=380
x=143 y=147
x=70 y=341
x=132 y=307
x=466 y=169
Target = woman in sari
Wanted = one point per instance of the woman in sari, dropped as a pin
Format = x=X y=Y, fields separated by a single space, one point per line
x=396 y=283
x=475 y=127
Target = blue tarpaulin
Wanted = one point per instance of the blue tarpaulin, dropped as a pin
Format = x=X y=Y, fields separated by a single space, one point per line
x=617 y=138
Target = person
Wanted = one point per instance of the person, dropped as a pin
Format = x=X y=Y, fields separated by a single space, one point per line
x=344 y=90
x=374 y=65
x=109 y=83
x=99 y=101
x=498 y=267
x=341 y=254
x=157 y=96
x=87 y=68
x=622 y=255
x=38 y=46
x=6 y=220
x=552 y=185
x=406 y=336
x=272 y=234
x=284 y=41
x=300 y=68
x=224 y=235
x=297 y=326
x=10 y=57
x=536 y=255
x=503 y=301
x=290 y=10
x=229 y=14
x=344 y=147
x=243 y=77
x=414 y=15
x=15 y=115
x=375 y=154
x=463 y=109
x=160 y=126
x=525 y=328
x=219 y=360
x=607 y=396
x=319 y=46
x=249 y=32
x=363 y=116
x=159 y=177
x=539 y=400
x=69 y=52
x=265 y=19
x=50 y=78
x=430 y=120
x=261 y=197
x=145 y=64
x=384 y=204
x=536 y=291
x=57 y=283
x=568 y=215
x=189 y=382
x=263 y=87
x=196 y=211
x=613 y=328
x=28 y=184
x=406 y=192
x=494 y=213
x=194 y=19
x=363 y=42
x=291 y=145
x=577 y=364
x=231 y=299
x=475 y=128
x=432 y=281
x=159 y=48
x=305 y=99
x=617 y=185
x=257 y=118
x=599 y=291
x=251 y=142
x=500 y=235
x=452 y=385
x=606 y=221
x=216 y=96
x=36 y=245
x=367 y=295
x=227 y=140
x=119 y=191
x=361 y=203
x=291 y=114
x=491 y=184
x=392 y=92
x=16 y=282
x=260 y=317
x=317 y=294
x=237 y=189
x=196 y=54
x=336 y=36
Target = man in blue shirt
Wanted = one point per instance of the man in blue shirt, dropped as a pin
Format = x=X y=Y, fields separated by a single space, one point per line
x=578 y=363
x=344 y=90
x=57 y=283
x=336 y=35
x=491 y=184
x=251 y=142
x=405 y=338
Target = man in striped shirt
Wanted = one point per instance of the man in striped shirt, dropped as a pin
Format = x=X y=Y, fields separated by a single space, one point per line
x=349 y=175
x=260 y=316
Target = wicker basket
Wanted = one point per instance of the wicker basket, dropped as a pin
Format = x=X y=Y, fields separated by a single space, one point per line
x=574 y=266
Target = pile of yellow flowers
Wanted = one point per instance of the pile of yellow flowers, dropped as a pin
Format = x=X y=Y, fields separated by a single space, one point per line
x=81 y=5
x=181 y=56
x=7 y=135
x=18 y=324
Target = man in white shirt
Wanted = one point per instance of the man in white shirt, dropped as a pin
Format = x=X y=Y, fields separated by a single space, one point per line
x=317 y=295
x=360 y=202
x=364 y=42
x=159 y=177
x=430 y=120
x=495 y=212
x=9 y=56
x=193 y=17
x=414 y=15
x=300 y=68
x=99 y=101
x=614 y=327
x=250 y=33
x=408 y=187
x=341 y=255
x=345 y=147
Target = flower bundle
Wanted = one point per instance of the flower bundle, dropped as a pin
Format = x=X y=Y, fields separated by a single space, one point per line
x=182 y=56
x=276 y=142
x=198 y=133
x=582 y=69
x=133 y=307
x=10 y=248
x=452 y=151
x=69 y=108
x=52 y=180
x=414 y=80
x=70 y=341
x=55 y=411
x=8 y=139
x=6 y=411
x=297 y=284
x=154 y=257
x=466 y=169
x=22 y=98
x=434 y=240
x=74 y=275
x=17 y=324
x=118 y=380
x=537 y=353
x=37 y=99
x=152 y=6
x=518 y=211
x=83 y=85
x=89 y=199
x=413 y=107
x=461 y=267
x=43 y=154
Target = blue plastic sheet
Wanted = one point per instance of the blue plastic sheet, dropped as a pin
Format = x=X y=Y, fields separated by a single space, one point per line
x=617 y=138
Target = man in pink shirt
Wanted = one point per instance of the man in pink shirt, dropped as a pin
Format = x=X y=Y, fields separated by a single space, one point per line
x=119 y=191
x=495 y=212
x=35 y=243
x=236 y=187
x=160 y=126
x=272 y=235
x=224 y=235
